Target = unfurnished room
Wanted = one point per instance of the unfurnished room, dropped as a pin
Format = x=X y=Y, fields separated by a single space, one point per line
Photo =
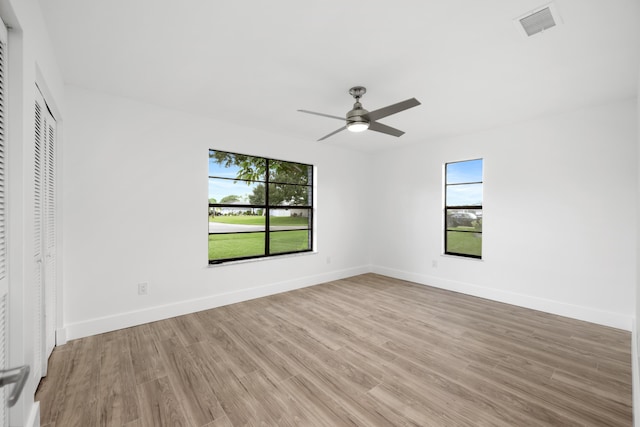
x=287 y=213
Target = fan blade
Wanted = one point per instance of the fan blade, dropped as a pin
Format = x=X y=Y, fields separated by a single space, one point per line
x=333 y=133
x=379 y=127
x=322 y=114
x=392 y=109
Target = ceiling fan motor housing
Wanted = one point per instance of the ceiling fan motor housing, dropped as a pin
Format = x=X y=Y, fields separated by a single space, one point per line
x=357 y=115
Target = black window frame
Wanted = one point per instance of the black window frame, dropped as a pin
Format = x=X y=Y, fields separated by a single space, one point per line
x=267 y=208
x=447 y=208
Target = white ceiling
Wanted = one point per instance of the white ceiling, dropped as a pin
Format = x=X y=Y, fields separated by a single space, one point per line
x=256 y=62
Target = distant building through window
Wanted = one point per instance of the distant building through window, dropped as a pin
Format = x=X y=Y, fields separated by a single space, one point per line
x=258 y=207
x=463 y=208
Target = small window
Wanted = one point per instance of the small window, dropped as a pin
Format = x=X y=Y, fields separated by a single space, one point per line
x=463 y=208
x=258 y=207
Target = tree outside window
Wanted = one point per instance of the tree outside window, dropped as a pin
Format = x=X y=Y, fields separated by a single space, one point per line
x=258 y=207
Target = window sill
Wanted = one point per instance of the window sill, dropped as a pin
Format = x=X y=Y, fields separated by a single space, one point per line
x=461 y=257
x=270 y=258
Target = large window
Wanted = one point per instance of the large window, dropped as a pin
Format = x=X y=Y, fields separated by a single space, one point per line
x=258 y=207
x=463 y=208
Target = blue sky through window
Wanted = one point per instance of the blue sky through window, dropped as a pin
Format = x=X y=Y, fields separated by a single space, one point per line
x=221 y=188
x=216 y=169
x=464 y=173
x=467 y=171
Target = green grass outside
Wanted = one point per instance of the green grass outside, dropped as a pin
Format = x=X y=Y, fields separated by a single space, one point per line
x=464 y=243
x=225 y=246
x=260 y=220
x=289 y=241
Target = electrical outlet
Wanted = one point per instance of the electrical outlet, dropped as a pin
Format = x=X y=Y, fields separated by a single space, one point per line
x=328 y=260
x=434 y=263
x=143 y=288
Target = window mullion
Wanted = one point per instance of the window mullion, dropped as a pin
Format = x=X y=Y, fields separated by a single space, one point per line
x=267 y=210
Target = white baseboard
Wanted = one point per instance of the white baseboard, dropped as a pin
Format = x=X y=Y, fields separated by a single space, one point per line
x=587 y=314
x=133 y=318
x=34 y=416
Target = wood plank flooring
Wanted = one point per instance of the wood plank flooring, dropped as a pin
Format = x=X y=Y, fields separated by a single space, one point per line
x=363 y=351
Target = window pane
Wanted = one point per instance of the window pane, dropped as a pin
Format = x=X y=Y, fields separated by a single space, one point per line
x=235 y=220
x=289 y=195
x=289 y=219
x=289 y=173
x=235 y=192
x=464 y=195
x=289 y=241
x=467 y=171
x=225 y=246
x=464 y=219
x=231 y=165
x=459 y=242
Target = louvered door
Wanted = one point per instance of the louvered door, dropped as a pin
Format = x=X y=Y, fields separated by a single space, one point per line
x=44 y=204
x=49 y=245
x=38 y=215
x=4 y=282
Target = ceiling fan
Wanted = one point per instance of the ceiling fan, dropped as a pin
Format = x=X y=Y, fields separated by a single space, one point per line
x=359 y=119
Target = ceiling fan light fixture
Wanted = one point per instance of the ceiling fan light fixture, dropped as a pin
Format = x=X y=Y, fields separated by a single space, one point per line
x=358 y=126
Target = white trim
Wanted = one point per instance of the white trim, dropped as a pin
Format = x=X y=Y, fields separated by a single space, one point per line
x=635 y=375
x=133 y=318
x=34 y=416
x=61 y=336
x=587 y=314
x=261 y=259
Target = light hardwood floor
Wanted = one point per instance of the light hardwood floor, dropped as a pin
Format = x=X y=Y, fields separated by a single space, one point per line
x=363 y=351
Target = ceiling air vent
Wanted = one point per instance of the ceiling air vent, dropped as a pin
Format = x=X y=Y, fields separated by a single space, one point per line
x=538 y=20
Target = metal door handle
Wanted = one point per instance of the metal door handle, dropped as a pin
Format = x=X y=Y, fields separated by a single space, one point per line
x=19 y=377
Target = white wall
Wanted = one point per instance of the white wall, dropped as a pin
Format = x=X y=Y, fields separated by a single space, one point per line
x=135 y=210
x=559 y=214
x=31 y=61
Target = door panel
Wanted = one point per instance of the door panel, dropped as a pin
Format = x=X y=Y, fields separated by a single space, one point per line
x=49 y=246
x=38 y=211
x=44 y=232
x=4 y=282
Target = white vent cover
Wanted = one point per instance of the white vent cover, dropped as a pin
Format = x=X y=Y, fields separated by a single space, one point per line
x=538 y=20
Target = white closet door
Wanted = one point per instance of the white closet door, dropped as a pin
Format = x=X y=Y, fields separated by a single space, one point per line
x=4 y=282
x=39 y=365
x=49 y=246
x=44 y=232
